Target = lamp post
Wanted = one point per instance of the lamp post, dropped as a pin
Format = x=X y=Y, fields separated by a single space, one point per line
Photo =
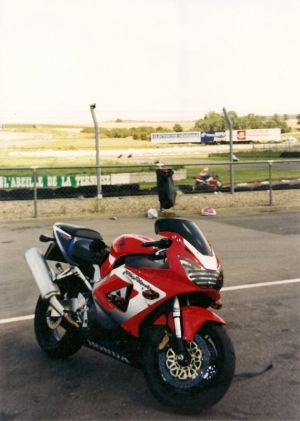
x=98 y=170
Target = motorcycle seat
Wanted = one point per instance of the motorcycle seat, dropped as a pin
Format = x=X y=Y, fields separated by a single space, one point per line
x=78 y=231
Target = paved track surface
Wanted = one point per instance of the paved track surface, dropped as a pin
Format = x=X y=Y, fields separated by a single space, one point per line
x=263 y=323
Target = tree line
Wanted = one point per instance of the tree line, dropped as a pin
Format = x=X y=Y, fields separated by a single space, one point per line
x=217 y=122
x=212 y=121
x=142 y=133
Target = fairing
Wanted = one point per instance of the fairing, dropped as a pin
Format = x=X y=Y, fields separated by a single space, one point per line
x=186 y=229
x=124 y=245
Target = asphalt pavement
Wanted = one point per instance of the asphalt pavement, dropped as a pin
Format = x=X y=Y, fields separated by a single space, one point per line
x=260 y=250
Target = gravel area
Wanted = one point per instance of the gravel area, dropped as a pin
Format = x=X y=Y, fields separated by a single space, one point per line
x=126 y=206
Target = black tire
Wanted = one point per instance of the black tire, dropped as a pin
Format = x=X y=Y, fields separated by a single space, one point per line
x=208 y=376
x=56 y=337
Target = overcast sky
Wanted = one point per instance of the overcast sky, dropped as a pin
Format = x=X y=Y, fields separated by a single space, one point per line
x=147 y=59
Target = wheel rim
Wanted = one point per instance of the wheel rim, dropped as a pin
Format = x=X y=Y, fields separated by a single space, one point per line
x=197 y=371
x=54 y=323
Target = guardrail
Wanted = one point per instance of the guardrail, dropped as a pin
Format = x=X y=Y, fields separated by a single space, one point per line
x=31 y=183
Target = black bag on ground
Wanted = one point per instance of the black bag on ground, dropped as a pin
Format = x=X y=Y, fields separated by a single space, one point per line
x=165 y=188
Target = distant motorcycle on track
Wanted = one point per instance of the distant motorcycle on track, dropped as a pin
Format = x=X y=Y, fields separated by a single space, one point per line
x=207 y=180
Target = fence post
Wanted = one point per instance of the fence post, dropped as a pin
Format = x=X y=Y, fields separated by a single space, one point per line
x=34 y=192
x=270 y=183
x=99 y=190
x=231 y=149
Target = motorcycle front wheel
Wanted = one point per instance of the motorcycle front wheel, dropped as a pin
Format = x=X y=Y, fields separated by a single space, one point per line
x=56 y=337
x=199 y=385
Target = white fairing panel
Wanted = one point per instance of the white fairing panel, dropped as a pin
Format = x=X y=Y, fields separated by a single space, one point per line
x=208 y=262
x=138 y=303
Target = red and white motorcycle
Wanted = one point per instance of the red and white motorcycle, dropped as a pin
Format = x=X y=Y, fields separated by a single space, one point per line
x=207 y=181
x=145 y=302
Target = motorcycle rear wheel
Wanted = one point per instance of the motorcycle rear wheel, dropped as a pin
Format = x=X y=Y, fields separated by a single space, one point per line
x=198 y=386
x=57 y=338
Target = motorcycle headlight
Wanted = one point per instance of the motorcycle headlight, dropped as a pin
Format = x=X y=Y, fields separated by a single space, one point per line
x=202 y=277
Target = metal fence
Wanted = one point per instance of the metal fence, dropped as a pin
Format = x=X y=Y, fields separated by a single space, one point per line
x=36 y=183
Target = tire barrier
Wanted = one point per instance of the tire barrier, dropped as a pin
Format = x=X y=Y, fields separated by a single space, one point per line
x=45 y=193
x=290 y=154
x=133 y=190
x=72 y=192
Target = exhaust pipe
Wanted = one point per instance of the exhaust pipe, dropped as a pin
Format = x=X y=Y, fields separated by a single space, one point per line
x=61 y=311
x=41 y=273
x=43 y=278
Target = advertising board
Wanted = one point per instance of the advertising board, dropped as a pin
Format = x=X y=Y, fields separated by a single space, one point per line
x=213 y=137
x=176 y=137
x=11 y=182
x=244 y=135
x=255 y=135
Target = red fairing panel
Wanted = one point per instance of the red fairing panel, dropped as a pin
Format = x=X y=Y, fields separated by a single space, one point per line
x=123 y=246
x=130 y=244
x=194 y=317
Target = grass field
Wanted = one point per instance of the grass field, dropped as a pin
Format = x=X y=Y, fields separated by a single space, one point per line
x=64 y=138
x=72 y=138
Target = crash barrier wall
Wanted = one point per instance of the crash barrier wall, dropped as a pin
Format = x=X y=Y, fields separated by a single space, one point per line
x=31 y=183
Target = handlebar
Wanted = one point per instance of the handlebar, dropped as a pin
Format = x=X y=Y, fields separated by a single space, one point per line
x=163 y=243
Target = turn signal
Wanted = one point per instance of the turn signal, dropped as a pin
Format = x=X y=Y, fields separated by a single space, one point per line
x=149 y=294
x=217 y=305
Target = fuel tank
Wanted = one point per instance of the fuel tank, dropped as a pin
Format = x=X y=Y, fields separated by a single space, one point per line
x=125 y=245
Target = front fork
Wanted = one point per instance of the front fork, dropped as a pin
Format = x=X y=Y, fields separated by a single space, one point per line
x=183 y=356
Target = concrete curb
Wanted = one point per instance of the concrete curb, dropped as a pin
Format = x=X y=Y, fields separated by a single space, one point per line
x=168 y=213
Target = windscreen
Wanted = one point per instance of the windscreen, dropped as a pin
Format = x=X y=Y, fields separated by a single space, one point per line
x=187 y=229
